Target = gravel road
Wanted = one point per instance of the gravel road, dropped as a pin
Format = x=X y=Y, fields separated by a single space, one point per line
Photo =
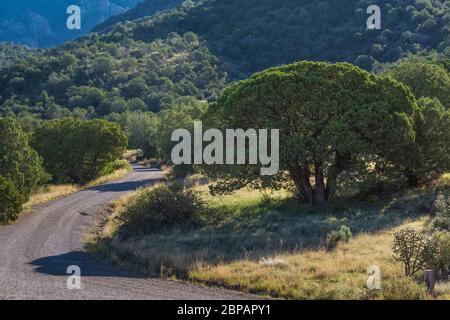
x=36 y=251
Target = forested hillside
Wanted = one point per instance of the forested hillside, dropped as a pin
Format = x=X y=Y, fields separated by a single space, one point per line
x=144 y=9
x=256 y=34
x=92 y=78
x=9 y=53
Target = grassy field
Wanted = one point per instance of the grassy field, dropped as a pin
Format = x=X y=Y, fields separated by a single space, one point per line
x=271 y=245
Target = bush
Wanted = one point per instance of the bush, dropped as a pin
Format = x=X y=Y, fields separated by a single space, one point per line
x=442 y=209
x=162 y=208
x=113 y=166
x=76 y=151
x=342 y=235
x=412 y=248
x=11 y=201
x=19 y=163
x=402 y=288
x=440 y=261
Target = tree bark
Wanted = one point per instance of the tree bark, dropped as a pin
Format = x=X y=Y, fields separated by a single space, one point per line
x=300 y=176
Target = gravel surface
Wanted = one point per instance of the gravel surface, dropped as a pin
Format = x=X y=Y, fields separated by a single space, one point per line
x=36 y=251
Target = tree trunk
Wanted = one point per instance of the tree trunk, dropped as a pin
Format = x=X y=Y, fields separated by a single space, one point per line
x=411 y=177
x=320 y=194
x=300 y=176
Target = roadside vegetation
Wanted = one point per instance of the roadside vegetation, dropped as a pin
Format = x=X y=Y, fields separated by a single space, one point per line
x=362 y=182
x=63 y=156
x=267 y=243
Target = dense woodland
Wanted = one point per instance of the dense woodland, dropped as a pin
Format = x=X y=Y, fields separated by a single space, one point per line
x=253 y=35
x=91 y=78
x=155 y=74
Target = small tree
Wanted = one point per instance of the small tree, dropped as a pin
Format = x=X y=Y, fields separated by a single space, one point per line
x=11 y=201
x=20 y=169
x=329 y=116
x=442 y=207
x=75 y=150
x=440 y=261
x=19 y=163
x=424 y=79
x=412 y=248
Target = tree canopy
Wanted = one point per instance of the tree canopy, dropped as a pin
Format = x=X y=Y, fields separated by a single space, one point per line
x=330 y=117
x=20 y=169
x=253 y=35
x=75 y=150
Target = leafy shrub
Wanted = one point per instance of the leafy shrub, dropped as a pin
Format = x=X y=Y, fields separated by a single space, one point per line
x=11 y=201
x=440 y=260
x=113 y=166
x=412 y=248
x=19 y=163
x=75 y=150
x=344 y=234
x=402 y=288
x=162 y=208
x=442 y=209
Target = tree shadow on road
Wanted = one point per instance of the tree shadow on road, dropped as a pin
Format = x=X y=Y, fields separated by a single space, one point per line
x=58 y=266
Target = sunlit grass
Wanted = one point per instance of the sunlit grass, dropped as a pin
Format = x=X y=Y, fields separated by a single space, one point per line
x=52 y=192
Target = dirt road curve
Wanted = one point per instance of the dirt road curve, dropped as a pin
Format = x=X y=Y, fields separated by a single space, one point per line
x=36 y=251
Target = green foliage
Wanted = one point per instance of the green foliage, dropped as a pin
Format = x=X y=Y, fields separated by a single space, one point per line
x=179 y=116
x=253 y=35
x=413 y=249
x=402 y=288
x=424 y=79
x=432 y=137
x=113 y=166
x=160 y=209
x=344 y=234
x=19 y=163
x=9 y=53
x=142 y=130
x=440 y=260
x=442 y=208
x=330 y=117
x=11 y=201
x=75 y=150
x=91 y=78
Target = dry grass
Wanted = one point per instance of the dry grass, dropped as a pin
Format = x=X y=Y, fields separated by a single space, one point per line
x=319 y=274
x=120 y=173
x=51 y=192
x=268 y=244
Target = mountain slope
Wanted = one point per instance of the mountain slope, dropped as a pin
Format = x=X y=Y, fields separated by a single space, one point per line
x=256 y=34
x=144 y=9
x=42 y=23
x=90 y=78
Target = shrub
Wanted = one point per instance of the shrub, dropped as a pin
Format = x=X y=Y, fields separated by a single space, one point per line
x=412 y=248
x=402 y=288
x=11 y=201
x=162 y=208
x=75 y=150
x=342 y=235
x=113 y=166
x=442 y=209
x=440 y=260
x=19 y=163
